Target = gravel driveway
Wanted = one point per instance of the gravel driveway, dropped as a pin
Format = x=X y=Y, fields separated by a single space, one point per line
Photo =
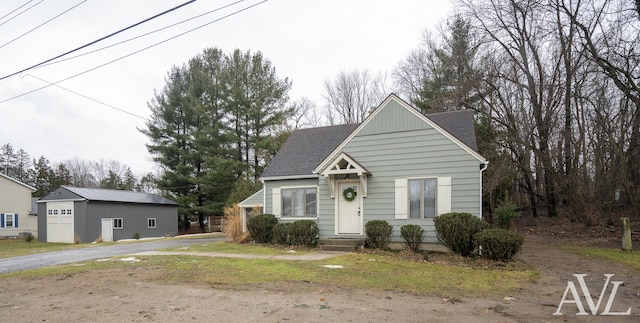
x=46 y=259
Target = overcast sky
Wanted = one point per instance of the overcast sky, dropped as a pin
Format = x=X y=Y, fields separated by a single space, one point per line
x=307 y=41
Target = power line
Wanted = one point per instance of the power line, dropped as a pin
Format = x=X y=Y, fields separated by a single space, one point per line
x=135 y=52
x=143 y=35
x=87 y=97
x=100 y=39
x=42 y=24
x=16 y=9
x=39 y=2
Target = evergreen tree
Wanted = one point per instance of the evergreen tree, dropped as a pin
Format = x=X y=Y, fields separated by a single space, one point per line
x=212 y=123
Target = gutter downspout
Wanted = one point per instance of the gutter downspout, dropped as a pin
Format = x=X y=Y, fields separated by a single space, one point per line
x=483 y=167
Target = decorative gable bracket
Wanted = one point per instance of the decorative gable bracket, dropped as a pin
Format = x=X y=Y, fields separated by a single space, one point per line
x=347 y=166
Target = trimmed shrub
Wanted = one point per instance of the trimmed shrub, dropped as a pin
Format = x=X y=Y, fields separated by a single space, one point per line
x=261 y=227
x=504 y=214
x=136 y=236
x=28 y=237
x=378 y=234
x=304 y=233
x=281 y=234
x=412 y=235
x=498 y=244
x=456 y=231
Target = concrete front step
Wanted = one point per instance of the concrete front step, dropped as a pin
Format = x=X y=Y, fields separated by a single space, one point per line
x=341 y=244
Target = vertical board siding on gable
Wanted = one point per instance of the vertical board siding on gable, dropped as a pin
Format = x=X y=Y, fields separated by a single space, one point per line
x=417 y=153
x=392 y=118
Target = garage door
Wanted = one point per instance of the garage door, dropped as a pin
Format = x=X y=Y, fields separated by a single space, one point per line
x=60 y=222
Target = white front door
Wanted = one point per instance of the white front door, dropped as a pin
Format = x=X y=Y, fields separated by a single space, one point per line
x=349 y=217
x=107 y=229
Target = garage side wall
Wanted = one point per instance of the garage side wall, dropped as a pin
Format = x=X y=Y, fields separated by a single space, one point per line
x=135 y=219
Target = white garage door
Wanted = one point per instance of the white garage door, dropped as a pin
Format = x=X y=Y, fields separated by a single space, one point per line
x=60 y=222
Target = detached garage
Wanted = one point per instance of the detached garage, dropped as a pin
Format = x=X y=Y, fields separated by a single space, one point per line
x=72 y=214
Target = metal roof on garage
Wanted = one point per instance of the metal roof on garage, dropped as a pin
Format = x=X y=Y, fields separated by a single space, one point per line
x=107 y=195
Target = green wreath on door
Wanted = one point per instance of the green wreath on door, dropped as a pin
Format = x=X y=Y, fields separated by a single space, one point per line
x=349 y=194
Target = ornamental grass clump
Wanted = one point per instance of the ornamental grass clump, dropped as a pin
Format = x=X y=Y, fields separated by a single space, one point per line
x=457 y=230
x=233 y=225
x=378 y=234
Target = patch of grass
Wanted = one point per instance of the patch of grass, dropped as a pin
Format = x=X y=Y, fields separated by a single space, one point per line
x=19 y=247
x=630 y=259
x=447 y=274
x=359 y=271
x=251 y=248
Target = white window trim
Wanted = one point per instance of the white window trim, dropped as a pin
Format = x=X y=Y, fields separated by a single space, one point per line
x=443 y=196
x=149 y=226
x=422 y=216
x=121 y=224
x=276 y=207
x=13 y=220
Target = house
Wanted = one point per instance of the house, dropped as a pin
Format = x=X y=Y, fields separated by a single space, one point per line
x=16 y=216
x=77 y=215
x=398 y=165
x=252 y=205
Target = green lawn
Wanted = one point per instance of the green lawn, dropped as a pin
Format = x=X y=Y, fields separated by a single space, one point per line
x=227 y=247
x=19 y=247
x=380 y=271
x=630 y=259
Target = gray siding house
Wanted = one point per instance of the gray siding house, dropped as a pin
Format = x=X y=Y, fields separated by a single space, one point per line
x=398 y=165
x=71 y=214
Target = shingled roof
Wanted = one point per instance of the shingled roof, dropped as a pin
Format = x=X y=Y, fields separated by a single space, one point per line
x=458 y=123
x=307 y=148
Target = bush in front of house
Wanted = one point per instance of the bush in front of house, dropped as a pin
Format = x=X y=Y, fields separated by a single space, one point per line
x=281 y=234
x=457 y=230
x=261 y=227
x=378 y=234
x=304 y=233
x=412 y=235
x=28 y=237
x=504 y=214
x=498 y=244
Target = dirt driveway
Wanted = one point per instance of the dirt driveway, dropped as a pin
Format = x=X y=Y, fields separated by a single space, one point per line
x=123 y=295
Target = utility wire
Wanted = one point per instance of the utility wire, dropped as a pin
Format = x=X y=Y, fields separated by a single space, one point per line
x=143 y=35
x=16 y=9
x=42 y=24
x=133 y=53
x=100 y=39
x=86 y=97
x=39 y=2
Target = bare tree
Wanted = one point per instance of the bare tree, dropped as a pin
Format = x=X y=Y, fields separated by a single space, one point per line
x=81 y=172
x=352 y=95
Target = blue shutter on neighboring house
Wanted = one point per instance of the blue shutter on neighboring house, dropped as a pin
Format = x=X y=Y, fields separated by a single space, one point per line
x=15 y=220
x=2 y=220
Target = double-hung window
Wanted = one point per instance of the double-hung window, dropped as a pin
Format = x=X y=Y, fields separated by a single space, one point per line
x=299 y=202
x=117 y=223
x=9 y=221
x=422 y=198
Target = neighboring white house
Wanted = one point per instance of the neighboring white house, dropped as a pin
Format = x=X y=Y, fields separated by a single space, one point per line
x=16 y=215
